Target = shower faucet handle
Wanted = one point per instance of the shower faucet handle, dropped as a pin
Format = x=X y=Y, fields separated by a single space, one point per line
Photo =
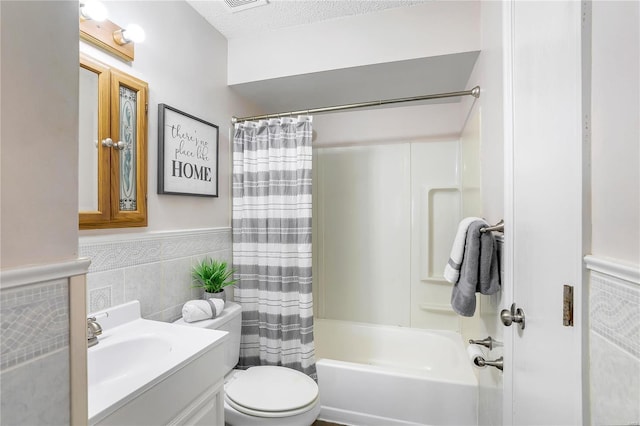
x=487 y=342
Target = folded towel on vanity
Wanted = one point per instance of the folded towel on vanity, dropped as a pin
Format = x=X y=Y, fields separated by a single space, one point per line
x=198 y=310
x=479 y=271
x=452 y=269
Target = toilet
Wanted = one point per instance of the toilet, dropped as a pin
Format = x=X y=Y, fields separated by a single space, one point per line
x=263 y=395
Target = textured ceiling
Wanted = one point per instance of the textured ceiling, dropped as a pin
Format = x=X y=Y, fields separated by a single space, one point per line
x=285 y=13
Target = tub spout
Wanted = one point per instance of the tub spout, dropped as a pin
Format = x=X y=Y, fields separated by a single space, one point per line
x=498 y=363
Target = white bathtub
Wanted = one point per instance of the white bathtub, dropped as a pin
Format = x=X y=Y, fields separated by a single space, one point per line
x=382 y=375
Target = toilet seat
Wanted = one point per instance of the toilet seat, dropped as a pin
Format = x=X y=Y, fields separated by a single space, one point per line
x=270 y=391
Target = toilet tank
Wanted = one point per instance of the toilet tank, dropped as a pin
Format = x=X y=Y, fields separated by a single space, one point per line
x=229 y=320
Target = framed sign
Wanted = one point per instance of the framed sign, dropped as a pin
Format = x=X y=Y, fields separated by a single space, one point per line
x=187 y=154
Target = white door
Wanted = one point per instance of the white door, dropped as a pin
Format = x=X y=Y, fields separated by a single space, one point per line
x=544 y=210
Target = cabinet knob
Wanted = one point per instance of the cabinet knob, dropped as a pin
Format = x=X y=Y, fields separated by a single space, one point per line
x=108 y=142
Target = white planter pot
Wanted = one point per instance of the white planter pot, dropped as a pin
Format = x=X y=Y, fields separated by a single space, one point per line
x=220 y=295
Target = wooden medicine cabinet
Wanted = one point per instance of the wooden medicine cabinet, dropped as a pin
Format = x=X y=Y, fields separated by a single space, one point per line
x=112 y=147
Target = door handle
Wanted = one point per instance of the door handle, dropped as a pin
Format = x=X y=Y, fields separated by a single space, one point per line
x=509 y=316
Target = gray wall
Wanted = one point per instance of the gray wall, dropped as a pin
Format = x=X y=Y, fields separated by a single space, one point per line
x=614 y=300
x=184 y=61
x=39 y=204
x=185 y=65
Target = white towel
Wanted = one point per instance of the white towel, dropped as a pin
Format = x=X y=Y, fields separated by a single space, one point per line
x=452 y=269
x=198 y=310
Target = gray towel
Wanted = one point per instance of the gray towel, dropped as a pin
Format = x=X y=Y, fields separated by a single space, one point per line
x=479 y=271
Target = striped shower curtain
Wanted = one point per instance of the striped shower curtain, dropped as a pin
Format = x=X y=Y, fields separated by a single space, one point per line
x=272 y=242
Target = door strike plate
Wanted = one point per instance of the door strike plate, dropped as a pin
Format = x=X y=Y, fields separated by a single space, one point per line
x=567 y=306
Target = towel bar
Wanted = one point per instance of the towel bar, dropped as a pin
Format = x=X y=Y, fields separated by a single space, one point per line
x=498 y=227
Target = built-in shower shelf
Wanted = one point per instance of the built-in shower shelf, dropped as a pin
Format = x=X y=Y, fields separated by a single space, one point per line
x=437 y=307
x=436 y=280
x=436 y=207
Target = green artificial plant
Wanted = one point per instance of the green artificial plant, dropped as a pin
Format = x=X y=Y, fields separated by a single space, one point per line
x=212 y=275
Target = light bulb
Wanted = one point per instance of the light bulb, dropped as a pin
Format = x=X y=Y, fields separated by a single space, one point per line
x=93 y=10
x=134 y=33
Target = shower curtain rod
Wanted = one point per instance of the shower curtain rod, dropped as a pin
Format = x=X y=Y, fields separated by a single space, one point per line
x=475 y=92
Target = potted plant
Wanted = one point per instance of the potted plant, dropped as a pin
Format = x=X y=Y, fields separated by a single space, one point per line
x=212 y=276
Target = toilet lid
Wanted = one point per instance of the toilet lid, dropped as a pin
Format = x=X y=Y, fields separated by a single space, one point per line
x=272 y=391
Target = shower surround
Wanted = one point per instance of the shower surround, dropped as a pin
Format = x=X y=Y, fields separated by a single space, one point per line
x=390 y=188
x=385 y=217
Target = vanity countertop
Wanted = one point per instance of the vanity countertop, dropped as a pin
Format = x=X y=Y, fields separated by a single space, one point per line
x=134 y=355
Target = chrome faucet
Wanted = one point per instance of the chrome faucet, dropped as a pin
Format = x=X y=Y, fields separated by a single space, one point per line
x=93 y=331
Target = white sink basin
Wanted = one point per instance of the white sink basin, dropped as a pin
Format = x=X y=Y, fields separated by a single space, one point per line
x=134 y=354
x=115 y=359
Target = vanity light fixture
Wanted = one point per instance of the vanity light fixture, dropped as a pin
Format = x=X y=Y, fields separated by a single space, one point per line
x=105 y=34
x=132 y=34
x=93 y=10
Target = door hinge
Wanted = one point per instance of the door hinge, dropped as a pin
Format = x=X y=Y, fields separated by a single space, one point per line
x=146 y=108
x=567 y=306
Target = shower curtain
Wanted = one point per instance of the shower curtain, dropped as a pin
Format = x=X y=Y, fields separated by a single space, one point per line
x=272 y=242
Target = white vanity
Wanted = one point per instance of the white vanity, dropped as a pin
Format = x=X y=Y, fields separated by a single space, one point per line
x=146 y=372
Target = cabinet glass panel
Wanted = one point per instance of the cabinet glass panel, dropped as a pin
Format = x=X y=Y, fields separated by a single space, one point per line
x=128 y=160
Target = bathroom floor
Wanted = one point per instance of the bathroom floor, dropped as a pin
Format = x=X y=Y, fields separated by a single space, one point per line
x=323 y=423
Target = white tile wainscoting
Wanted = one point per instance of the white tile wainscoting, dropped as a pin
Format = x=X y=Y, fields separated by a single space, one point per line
x=35 y=380
x=614 y=314
x=154 y=268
